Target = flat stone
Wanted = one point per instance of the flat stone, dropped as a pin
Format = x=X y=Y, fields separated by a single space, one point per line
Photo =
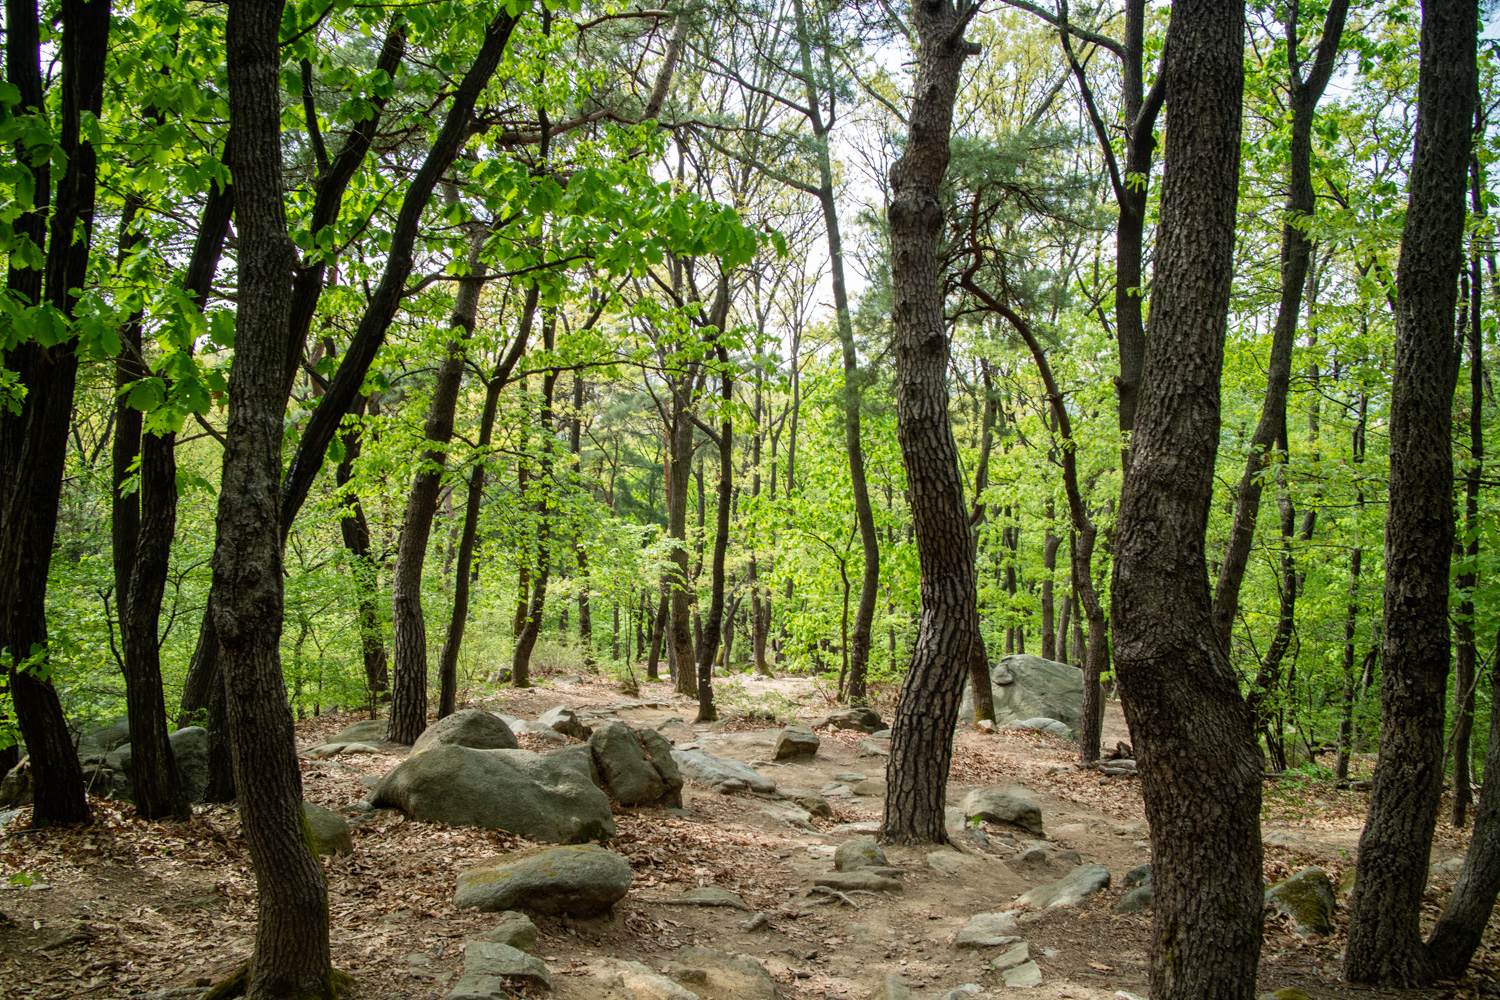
x=858 y=879
x=988 y=930
x=641 y=983
x=724 y=974
x=1138 y=900
x=721 y=773
x=863 y=826
x=514 y=929
x=1022 y=976
x=849 y=777
x=1070 y=890
x=873 y=747
x=565 y=721
x=488 y=958
x=581 y=881
x=1002 y=807
x=363 y=731
x=538 y=730
x=869 y=787
x=1139 y=875
x=710 y=895
x=814 y=803
x=1017 y=954
x=892 y=987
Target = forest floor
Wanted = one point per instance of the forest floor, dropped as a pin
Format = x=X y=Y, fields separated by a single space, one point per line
x=128 y=909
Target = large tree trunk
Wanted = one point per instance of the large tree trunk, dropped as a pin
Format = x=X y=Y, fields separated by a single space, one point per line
x=33 y=441
x=1385 y=937
x=291 y=957
x=658 y=629
x=922 y=735
x=1199 y=761
x=1296 y=255
x=409 y=668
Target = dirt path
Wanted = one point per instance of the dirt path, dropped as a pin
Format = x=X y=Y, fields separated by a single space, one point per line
x=132 y=909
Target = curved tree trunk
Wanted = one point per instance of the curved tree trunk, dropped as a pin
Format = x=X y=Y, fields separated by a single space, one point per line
x=1385 y=938
x=409 y=669
x=1199 y=760
x=922 y=734
x=354 y=529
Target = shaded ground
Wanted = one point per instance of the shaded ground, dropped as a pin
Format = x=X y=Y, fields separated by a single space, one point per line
x=127 y=908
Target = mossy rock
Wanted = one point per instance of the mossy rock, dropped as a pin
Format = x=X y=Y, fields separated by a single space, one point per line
x=581 y=881
x=1307 y=897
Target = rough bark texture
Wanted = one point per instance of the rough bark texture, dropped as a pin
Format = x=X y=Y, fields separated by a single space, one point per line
x=1296 y=255
x=922 y=734
x=520 y=665
x=1199 y=761
x=354 y=528
x=409 y=665
x=291 y=956
x=713 y=629
x=1385 y=938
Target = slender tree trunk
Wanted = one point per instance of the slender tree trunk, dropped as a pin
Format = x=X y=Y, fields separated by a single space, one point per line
x=454 y=639
x=1385 y=939
x=1049 y=567
x=291 y=956
x=409 y=669
x=355 y=532
x=922 y=735
x=575 y=446
x=520 y=668
x=713 y=628
x=658 y=629
x=1199 y=760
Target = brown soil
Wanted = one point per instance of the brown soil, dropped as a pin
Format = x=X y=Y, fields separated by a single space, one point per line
x=125 y=908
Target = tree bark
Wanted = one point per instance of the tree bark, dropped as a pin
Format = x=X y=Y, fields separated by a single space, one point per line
x=291 y=956
x=1199 y=760
x=409 y=668
x=1385 y=939
x=922 y=735
x=520 y=667
x=354 y=530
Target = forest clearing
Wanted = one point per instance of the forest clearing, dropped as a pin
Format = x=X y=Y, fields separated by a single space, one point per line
x=136 y=910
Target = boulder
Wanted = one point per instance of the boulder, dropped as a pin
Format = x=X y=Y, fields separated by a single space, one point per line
x=720 y=773
x=988 y=930
x=330 y=834
x=869 y=787
x=488 y=960
x=514 y=929
x=1138 y=900
x=96 y=743
x=1070 y=890
x=858 y=852
x=529 y=727
x=1053 y=726
x=1000 y=807
x=581 y=881
x=1139 y=875
x=1029 y=687
x=17 y=788
x=565 y=721
x=552 y=797
x=1307 y=897
x=814 y=803
x=865 y=720
x=640 y=983
x=467 y=728
x=875 y=745
x=189 y=748
x=796 y=741
x=636 y=765
x=363 y=731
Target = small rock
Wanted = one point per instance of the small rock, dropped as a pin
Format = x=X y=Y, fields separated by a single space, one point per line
x=1070 y=890
x=963 y=992
x=643 y=984
x=724 y=974
x=570 y=679
x=861 y=879
x=330 y=833
x=1307 y=897
x=17 y=787
x=860 y=852
x=710 y=895
x=1022 y=976
x=486 y=958
x=580 y=881
x=363 y=731
x=1032 y=861
x=1042 y=724
x=513 y=929
x=528 y=727
x=721 y=773
x=863 y=826
x=988 y=930
x=1138 y=900
x=1001 y=807
x=796 y=741
x=869 y=787
x=565 y=721
x=1447 y=868
x=1017 y=954
x=1139 y=875
x=814 y=803
x=873 y=746
x=1285 y=993
x=865 y=720
x=849 y=777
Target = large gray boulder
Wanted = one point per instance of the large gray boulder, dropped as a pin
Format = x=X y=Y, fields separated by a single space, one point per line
x=1307 y=897
x=721 y=773
x=858 y=852
x=551 y=797
x=1029 y=687
x=636 y=765
x=1001 y=807
x=796 y=740
x=580 y=881
x=189 y=749
x=330 y=832
x=95 y=744
x=467 y=728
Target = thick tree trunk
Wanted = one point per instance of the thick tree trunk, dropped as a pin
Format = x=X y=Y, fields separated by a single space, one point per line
x=153 y=767
x=679 y=628
x=922 y=735
x=1296 y=255
x=409 y=668
x=658 y=629
x=1385 y=939
x=291 y=956
x=1199 y=760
